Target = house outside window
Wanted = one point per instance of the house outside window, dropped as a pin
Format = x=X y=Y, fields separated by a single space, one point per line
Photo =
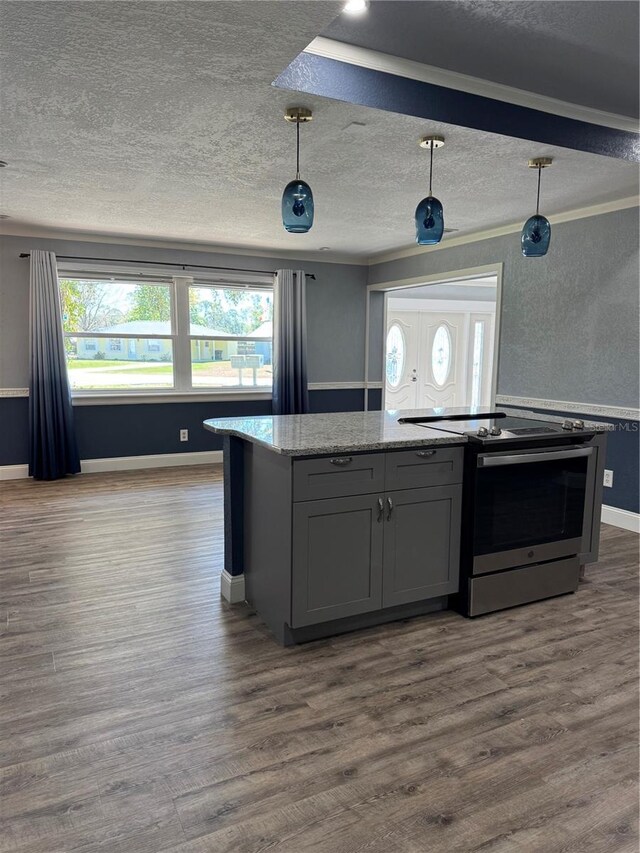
x=128 y=335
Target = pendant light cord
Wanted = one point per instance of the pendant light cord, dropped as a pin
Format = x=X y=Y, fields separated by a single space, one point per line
x=297 y=150
x=430 y=167
x=538 y=195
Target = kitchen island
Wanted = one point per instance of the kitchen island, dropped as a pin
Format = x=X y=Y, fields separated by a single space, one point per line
x=344 y=520
x=326 y=518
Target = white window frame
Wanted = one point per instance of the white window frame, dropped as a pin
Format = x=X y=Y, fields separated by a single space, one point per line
x=181 y=338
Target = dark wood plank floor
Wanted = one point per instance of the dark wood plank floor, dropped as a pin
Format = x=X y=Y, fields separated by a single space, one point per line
x=140 y=713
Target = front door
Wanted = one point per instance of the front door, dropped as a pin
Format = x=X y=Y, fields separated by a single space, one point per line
x=438 y=359
x=441 y=376
x=401 y=363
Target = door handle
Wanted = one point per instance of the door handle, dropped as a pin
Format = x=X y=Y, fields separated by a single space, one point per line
x=390 y=508
x=414 y=378
x=424 y=453
x=486 y=460
x=380 y=509
x=341 y=460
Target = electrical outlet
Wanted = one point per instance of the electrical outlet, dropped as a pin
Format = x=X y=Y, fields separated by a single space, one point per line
x=184 y=435
x=608 y=477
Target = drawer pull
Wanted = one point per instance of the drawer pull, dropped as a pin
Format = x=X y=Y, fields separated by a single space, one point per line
x=423 y=453
x=341 y=460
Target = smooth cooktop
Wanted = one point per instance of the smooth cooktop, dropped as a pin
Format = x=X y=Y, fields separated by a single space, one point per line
x=510 y=425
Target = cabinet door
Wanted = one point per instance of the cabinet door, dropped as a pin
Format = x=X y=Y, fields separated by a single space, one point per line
x=337 y=559
x=421 y=544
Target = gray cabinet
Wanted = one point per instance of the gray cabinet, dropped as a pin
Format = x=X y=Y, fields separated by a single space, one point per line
x=350 y=540
x=337 y=559
x=421 y=544
x=363 y=553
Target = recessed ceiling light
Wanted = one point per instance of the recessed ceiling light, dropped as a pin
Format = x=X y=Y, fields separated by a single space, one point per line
x=355 y=7
x=325 y=248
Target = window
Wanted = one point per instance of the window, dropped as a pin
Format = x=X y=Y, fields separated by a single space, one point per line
x=476 y=364
x=395 y=355
x=128 y=336
x=231 y=337
x=441 y=355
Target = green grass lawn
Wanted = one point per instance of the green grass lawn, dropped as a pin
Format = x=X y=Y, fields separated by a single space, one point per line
x=153 y=367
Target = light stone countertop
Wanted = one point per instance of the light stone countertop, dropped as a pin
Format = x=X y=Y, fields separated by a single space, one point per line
x=353 y=432
x=334 y=432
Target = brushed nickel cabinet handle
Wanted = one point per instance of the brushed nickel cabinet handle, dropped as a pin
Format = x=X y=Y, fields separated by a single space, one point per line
x=390 y=507
x=380 y=509
x=424 y=453
x=341 y=460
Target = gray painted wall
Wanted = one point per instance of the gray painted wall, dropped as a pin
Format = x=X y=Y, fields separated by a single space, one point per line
x=569 y=323
x=335 y=302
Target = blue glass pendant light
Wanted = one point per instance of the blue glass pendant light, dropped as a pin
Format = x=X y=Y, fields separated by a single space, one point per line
x=536 y=232
x=429 y=213
x=297 y=198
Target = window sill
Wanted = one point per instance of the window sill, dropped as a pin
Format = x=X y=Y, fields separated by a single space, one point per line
x=213 y=396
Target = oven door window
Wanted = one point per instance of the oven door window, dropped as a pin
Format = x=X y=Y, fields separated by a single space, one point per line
x=518 y=506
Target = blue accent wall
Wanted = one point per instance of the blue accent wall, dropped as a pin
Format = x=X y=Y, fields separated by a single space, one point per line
x=333 y=78
x=141 y=429
x=14 y=430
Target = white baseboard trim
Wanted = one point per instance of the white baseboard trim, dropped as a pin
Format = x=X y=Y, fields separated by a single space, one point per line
x=14 y=472
x=157 y=460
x=621 y=518
x=126 y=463
x=232 y=587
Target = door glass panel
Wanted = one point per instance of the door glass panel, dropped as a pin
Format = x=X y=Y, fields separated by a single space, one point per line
x=395 y=355
x=441 y=355
x=476 y=365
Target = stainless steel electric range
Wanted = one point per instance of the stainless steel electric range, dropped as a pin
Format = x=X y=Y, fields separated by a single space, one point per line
x=530 y=506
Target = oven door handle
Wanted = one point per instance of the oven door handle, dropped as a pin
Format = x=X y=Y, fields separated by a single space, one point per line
x=490 y=460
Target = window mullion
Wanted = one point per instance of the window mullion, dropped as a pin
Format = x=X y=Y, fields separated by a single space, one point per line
x=181 y=325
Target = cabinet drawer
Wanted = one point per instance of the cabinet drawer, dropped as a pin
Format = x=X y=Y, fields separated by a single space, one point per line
x=520 y=586
x=338 y=476
x=423 y=467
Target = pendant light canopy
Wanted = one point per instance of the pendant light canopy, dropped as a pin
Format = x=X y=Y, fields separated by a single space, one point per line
x=429 y=213
x=536 y=232
x=297 y=198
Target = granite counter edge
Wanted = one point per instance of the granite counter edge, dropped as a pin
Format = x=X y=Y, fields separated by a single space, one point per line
x=363 y=447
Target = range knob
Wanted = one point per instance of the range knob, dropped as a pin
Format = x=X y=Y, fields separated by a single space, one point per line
x=483 y=432
x=568 y=425
x=495 y=430
x=578 y=424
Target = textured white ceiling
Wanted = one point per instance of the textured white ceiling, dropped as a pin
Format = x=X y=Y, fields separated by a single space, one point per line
x=158 y=120
x=458 y=291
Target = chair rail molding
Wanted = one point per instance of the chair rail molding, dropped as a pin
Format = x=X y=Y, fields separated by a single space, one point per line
x=621 y=412
x=14 y=392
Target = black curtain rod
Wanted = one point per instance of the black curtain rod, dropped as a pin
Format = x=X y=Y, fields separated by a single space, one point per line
x=184 y=267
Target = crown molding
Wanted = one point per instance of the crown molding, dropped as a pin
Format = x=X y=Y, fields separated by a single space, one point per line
x=15 y=229
x=500 y=231
x=388 y=64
